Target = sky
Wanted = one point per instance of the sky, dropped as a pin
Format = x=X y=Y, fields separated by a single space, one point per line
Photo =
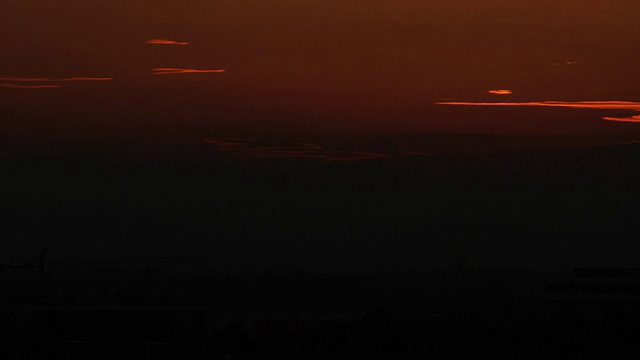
x=286 y=78
x=291 y=69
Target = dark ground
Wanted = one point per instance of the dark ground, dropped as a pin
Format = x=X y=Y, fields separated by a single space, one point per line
x=422 y=255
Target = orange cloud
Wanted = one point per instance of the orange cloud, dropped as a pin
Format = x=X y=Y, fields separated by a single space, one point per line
x=604 y=105
x=15 y=86
x=18 y=79
x=168 y=71
x=500 y=92
x=632 y=119
x=166 y=42
x=599 y=105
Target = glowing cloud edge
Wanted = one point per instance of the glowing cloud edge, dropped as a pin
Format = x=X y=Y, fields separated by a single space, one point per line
x=597 y=105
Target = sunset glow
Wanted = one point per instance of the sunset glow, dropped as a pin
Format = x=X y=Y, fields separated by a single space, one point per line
x=305 y=68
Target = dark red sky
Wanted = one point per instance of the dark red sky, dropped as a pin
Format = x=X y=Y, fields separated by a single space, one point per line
x=295 y=67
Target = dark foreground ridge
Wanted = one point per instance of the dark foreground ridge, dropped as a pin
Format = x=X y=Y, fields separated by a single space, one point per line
x=185 y=309
x=406 y=257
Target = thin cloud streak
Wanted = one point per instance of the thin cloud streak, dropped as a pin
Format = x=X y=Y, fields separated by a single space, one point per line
x=603 y=105
x=15 y=86
x=632 y=119
x=166 y=42
x=19 y=79
x=597 y=105
x=170 y=71
x=500 y=92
